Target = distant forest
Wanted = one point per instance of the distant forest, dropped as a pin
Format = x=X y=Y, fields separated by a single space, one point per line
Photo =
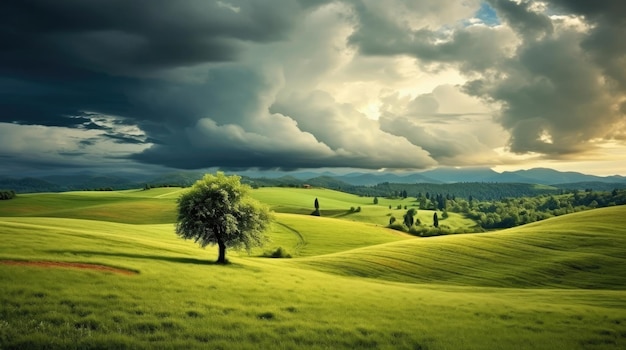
x=515 y=211
x=475 y=190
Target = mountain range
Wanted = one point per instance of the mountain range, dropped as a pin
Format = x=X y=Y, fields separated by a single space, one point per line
x=90 y=181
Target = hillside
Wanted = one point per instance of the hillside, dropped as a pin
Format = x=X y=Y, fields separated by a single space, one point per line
x=105 y=270
x=582 y=250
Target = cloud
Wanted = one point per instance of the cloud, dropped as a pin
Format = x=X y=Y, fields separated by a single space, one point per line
x=36 y=147
x=455 y=129
x=559 y=87
x=555 y=99
x=295 y=84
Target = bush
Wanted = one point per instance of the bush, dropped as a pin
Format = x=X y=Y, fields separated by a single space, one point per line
x=7 y=194
x=279 y=253
x=398 y=226
x=358 y=209
x=424 y=231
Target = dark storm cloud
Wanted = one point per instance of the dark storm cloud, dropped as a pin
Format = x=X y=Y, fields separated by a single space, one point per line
x=605 y=41
x=241 y=83
x=122 y=37
x=59 y=58
x=522 y=18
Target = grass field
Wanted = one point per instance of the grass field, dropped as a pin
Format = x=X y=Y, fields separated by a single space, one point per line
x=556 y=284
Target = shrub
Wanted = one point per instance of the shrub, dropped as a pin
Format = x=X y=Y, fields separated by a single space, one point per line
x=279 y=253
x=398 y=226
x=7 y=194
x=424 y=231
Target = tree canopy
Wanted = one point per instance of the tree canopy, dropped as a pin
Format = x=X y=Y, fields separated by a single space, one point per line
x=218 y=210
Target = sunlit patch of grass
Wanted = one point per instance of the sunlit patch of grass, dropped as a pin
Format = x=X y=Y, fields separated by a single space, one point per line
x=550 y=285
x=578 y=251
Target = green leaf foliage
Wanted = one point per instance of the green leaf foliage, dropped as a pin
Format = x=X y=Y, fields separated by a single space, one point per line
x=218 y=210
x=7 y=194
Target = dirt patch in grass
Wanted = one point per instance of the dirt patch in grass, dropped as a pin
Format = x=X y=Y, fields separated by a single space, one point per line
x=69 y=265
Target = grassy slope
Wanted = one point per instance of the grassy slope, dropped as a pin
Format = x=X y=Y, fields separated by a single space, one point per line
x=179 y=299
x=131 y=206
x=304 y=235
x=583 y=250
x=337 y=205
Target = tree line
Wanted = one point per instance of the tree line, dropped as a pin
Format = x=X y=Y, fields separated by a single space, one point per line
x=499 y=214
x=512 y=212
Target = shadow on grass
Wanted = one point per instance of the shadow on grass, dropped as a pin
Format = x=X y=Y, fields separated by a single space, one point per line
x=344 y=213
x=173 y=259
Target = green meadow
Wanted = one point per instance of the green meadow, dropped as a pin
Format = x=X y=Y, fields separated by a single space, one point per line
x=351 y=283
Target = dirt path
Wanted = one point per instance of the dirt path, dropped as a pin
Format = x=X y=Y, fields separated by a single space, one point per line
x=70 y=265
x=301 y=241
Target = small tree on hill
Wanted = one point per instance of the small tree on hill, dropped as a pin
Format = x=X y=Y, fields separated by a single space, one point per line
x=409 y=217
x=435 y=220
x=316 y=212
x=375 y=200
x=218 y=210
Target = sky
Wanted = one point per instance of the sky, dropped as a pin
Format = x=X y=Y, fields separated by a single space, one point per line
x=303 y=84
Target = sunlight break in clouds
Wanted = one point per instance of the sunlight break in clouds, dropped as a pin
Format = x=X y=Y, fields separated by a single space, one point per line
x=288 y=84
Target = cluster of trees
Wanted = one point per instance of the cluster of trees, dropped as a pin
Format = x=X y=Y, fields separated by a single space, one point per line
x=411 y=224
x=477 y=190
x=504 y=213
x=161 y=185
x=7 y=194
x=510 y=212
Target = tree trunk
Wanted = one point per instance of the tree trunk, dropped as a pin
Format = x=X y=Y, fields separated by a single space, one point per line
x=222 y=252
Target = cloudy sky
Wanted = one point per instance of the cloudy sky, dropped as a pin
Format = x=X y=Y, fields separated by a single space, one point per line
x=292 y=84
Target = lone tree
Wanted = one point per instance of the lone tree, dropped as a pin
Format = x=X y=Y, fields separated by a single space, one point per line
x=316 y=212
x=218 y=210
x=435 y=220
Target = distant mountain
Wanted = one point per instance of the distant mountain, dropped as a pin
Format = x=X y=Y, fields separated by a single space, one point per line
x=87 y=180
x=547 y=176
x=28 y=184
x=452 y=175
x=90 y=181
x=182 y=178
x=371 y=179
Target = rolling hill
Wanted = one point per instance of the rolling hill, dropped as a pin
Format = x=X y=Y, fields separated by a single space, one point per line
x=555 y=284
x=581 y=250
